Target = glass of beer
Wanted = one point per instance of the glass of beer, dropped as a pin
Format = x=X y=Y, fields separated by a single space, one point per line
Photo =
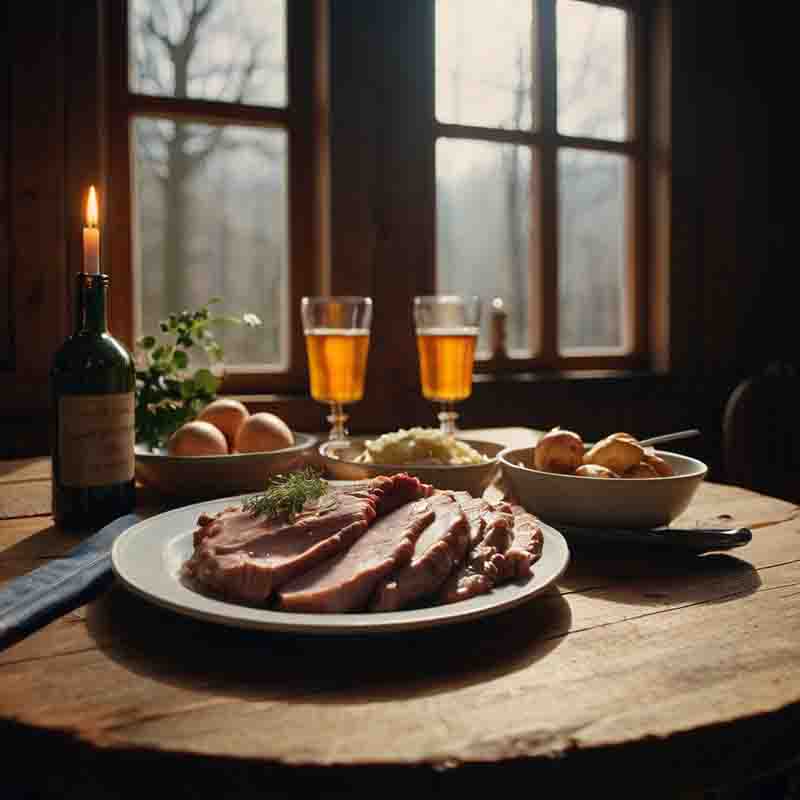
x=337 y=342
x=447 y=328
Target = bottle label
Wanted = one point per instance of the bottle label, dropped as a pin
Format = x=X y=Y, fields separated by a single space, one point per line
x=95 y=439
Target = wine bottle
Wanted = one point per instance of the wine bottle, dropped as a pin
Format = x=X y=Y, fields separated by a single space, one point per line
x=92 y=387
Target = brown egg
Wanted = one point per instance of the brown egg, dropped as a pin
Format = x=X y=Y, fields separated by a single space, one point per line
x=227 y=415
x=595 y=471
x=558 y=451
x=263 y=432
x=197 y=439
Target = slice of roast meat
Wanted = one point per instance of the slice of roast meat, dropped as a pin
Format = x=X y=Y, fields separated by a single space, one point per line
x=526 y=549
x=245 y=557
x=440 y=548
x=485 y=563
x=344 y=583
x=474 y=509
x=394 y=491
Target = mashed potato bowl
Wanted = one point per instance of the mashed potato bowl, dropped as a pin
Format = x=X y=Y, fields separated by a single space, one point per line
x=602 y=503
x=205 y=477
x=339 y=460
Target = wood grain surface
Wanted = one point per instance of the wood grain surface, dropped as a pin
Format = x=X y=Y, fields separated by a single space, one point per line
x=685 y=668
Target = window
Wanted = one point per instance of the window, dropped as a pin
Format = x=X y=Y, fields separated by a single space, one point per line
x=219 y=113
x=538 y=173
x=497 y=148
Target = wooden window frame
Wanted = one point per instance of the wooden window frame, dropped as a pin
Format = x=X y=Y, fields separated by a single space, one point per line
x=368 y=128
x=303 y=119
x=545 y=142
x=383 y=231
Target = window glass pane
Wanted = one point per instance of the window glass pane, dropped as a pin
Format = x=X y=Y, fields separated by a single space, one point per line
x=483 y=228
x=228 y=50
x=590 y=43
x=483 y=62
x=592 y=280
x=211 y=221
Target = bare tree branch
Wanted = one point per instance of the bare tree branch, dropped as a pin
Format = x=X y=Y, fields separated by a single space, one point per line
x=212 y=142
x=150 y=26
x=148 y=69
x=195 y=20
x=249 y=68
x=153 y=142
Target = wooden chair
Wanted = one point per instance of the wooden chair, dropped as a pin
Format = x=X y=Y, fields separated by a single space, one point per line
x=761 y=433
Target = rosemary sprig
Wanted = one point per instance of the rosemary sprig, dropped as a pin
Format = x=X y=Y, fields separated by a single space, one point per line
x=287 y=494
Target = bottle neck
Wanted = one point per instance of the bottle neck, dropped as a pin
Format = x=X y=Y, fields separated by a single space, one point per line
x=90 y=306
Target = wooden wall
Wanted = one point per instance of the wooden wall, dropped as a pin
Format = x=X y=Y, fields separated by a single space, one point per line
x=50 y=150
x=728 y=312
x=6 y=345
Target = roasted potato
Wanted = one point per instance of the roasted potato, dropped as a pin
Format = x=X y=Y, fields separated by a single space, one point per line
x=623 y=436
x=558 y=451
x=663 y=470
x=618 y=455
x=595 y=471
x=641 y=470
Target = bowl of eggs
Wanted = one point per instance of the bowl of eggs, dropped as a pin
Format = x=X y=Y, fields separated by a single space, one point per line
x=613 y=483
x=226 y=450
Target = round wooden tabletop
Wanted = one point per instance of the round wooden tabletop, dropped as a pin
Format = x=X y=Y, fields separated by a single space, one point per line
x=681 y=669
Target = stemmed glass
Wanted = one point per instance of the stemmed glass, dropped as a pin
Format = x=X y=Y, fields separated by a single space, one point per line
x=447 y=328
x=337 y=343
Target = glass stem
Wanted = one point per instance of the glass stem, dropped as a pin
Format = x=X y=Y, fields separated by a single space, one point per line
x=447 y=418
x=337 y=419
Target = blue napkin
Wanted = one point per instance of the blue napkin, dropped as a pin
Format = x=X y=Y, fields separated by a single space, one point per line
x=31 y=601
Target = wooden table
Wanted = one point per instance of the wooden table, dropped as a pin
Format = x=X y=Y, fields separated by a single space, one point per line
x=684 y=673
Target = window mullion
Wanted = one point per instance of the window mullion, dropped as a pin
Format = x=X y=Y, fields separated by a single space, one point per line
x=307 y=178
x=544 y=247
x=119 y=230
x=638 y=190
x=212 y=112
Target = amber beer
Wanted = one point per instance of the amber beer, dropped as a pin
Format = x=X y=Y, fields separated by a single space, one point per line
x=337 y=361
x=446 y=356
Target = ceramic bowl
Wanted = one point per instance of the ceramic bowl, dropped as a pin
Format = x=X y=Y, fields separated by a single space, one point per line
x=602 y=503
x=338 y=460
x=203 y=477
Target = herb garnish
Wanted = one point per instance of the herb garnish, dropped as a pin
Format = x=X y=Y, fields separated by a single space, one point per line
x=288 y=494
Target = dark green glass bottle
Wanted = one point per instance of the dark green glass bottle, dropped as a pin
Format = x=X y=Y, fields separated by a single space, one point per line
x=93 y=384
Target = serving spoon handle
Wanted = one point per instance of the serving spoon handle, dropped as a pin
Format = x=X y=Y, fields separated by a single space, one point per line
x=669 y=437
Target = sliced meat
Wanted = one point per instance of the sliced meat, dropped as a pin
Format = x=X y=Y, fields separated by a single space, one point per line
x=394 y=491
x=243 y=578
x=245 y=557
x=474 y=509
x=440 y=548
x=526 y=549
x=485 y=562
x=345 y=582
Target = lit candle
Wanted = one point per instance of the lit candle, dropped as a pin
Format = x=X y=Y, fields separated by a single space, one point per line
x=91 y=235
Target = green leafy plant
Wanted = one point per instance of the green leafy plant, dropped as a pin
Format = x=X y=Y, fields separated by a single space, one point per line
x=168 y=392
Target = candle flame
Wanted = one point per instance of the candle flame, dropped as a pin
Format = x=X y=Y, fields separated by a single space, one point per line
x=92 y=213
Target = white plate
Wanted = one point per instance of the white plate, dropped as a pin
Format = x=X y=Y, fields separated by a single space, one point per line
x=147 y=559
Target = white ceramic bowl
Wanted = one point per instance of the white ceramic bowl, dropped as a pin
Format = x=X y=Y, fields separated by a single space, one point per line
x=598 y=502
x=204 y=477
x=339 y=463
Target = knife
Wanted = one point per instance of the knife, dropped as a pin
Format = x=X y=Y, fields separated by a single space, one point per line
x=32 y=601
x=686 y=540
